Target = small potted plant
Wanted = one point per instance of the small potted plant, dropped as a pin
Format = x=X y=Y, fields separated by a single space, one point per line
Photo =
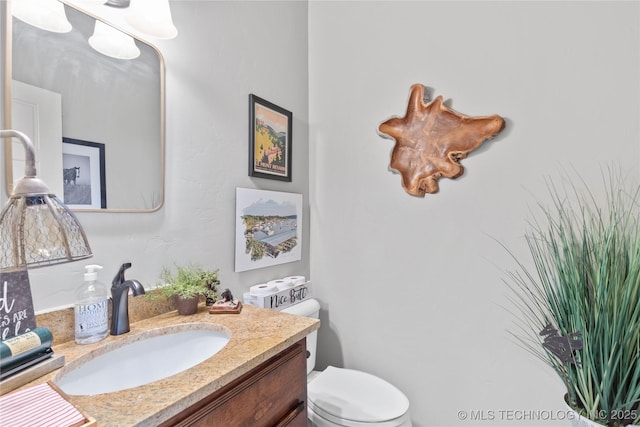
x=580 y=309
x=187 y=284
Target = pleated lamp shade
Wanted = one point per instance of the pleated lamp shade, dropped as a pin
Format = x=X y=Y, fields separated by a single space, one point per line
x=36 y=228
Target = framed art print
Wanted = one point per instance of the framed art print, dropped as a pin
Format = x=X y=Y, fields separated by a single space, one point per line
x=268 y=228
x=83 y=174
x=269 y=140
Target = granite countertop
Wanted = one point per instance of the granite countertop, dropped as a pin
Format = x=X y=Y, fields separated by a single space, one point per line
x=256 y=335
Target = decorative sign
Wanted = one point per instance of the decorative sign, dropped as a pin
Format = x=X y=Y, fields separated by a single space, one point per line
x=16 y=304
x=285 y=298
x=561 y=346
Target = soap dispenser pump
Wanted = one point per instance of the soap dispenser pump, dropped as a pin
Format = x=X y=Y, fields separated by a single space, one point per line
x=91 y=308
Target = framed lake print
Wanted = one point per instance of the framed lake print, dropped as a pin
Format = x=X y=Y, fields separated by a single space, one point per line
x=269 y=140
x=268 y=228
x=83 y=174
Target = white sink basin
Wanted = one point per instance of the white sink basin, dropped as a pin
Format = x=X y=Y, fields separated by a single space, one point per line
x=140 y=360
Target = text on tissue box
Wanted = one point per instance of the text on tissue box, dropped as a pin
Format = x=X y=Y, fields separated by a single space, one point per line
x=285 y=298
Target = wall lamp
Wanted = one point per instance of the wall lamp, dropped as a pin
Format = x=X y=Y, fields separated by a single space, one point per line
x=111 y=42
x=36 y=228
x=44 y=14
x=141 y=18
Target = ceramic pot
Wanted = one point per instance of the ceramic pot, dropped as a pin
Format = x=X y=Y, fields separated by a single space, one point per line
x=187 y=306
x=577 y=420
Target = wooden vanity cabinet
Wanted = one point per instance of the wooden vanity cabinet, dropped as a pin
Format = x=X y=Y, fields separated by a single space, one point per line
x=272 y=394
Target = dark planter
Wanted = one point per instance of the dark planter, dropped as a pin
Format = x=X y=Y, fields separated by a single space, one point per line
x=187 y=306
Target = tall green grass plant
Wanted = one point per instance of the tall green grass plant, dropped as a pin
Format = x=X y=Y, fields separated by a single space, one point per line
x=586 y=255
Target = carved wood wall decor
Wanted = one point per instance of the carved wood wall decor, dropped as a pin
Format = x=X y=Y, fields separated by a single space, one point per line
x=431 y=139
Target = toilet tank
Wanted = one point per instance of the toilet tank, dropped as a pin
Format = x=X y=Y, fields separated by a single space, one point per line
x=308 y=308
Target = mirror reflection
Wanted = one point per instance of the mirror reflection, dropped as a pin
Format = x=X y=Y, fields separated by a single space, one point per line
x=93 y=116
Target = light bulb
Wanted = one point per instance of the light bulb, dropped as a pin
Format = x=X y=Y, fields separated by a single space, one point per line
x=152 y=17
x=44 y=14
x=114 y=43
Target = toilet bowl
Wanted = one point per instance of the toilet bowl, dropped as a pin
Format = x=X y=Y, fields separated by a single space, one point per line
x=348 y=397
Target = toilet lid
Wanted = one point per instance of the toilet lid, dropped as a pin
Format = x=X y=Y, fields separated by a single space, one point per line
x=348 y=394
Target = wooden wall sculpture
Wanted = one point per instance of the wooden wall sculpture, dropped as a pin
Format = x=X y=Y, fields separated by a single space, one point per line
x=431 y=139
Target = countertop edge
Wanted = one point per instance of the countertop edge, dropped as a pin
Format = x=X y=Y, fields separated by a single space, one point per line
x=257 y=335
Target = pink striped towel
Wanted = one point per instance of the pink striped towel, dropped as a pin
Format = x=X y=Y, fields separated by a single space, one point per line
x=40 y=405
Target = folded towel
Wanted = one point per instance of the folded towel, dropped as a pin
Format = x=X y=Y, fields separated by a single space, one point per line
x=40 y=405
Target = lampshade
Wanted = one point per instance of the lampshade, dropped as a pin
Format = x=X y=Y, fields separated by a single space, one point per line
x=36 y=228
x=112 y=42
x=152 y=17
x=45 y=14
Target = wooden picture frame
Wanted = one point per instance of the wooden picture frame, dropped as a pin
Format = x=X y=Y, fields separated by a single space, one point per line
x=270 y=140
x=83 y=175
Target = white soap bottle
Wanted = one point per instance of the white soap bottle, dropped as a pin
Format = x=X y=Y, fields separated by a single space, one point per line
x=91 y=308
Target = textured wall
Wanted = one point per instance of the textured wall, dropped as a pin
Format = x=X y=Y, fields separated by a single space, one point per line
x=411 y=288
x=3 y=194
x=223 y=52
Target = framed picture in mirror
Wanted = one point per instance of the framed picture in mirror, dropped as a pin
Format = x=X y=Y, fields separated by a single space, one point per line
x=83 y=174
x=269 y=140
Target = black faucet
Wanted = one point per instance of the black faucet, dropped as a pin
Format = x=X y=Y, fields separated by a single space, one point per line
x=120 y=301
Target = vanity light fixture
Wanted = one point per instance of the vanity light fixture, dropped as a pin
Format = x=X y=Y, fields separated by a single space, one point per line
x=153 y=18
x=114 y=43
x=45 y=14
x=36 y=228
x=143 y=19
x=118 y=3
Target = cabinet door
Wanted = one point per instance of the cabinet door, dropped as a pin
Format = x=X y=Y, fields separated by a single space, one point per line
x=297 y=417
x=273 y=394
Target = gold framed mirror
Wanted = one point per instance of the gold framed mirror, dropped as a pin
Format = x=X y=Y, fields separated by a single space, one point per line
x=101 y=116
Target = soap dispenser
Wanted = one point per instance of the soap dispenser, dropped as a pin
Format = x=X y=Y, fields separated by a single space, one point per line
x=91 y=308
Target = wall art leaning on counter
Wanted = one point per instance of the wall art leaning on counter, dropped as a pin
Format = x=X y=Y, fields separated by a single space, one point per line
x=16 y=304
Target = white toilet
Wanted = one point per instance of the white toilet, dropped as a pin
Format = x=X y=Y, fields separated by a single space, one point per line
x=346 y=397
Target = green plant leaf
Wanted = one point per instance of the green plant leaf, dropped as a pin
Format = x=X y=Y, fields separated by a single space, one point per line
x=586 y=255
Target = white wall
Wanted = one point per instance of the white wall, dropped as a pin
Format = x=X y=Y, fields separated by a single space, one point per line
x=223 y=52
x=3 y=194
x=411 y=288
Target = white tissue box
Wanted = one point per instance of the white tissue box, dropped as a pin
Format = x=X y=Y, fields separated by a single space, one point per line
x=285 y=298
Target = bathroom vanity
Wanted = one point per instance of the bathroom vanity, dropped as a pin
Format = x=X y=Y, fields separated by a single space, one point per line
x=273 y=394
x=257 y=379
